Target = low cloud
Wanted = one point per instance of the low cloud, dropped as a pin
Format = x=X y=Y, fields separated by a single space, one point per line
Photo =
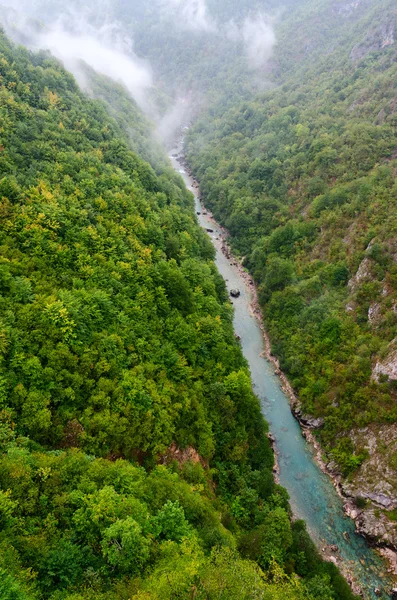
x=189 y=14
x=105 y=52
x=259 y=39
x=71 y=39
x=90 y=34
x=256 y=34
x=179 y=114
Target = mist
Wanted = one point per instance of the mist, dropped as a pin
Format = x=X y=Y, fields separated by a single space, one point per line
x=190 y=14
x=104 y=53
x=256 y=32
x=259 y=39
x=92 y=34
x=72 y=39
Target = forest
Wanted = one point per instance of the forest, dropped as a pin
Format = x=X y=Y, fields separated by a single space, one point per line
x=134 y=461
x=304 y=178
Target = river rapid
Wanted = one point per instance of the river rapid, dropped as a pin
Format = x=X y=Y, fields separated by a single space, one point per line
x=312 y=494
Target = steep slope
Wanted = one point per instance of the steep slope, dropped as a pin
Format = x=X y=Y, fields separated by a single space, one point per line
x=140 y=131
x=304 y=178
x=199 y=52
x=134 y=459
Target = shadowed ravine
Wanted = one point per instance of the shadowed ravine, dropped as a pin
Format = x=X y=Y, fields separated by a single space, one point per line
x=312 y=494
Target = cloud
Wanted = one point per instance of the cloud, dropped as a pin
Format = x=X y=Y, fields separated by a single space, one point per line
x=103 y=51
x=71 y=39
x=259 y=39
x=88 y=32
x=257 y=36
x=256 y=33
x=189 y=14
x=178 y=115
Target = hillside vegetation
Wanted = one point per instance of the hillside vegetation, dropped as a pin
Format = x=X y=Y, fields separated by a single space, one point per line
x=134 y=462
x=304 y=178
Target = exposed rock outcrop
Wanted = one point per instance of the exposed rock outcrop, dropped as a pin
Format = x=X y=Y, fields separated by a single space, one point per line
x=376 y=527
x=181 y=455
x=376 y=480
x=374 y=314
x=388 y=365
x=364 y=272
x=376 y=39
x=308 y=420
x=346 y=8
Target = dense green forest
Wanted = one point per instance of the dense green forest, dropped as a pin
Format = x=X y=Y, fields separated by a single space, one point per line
x=134 y=459
x=304 y=179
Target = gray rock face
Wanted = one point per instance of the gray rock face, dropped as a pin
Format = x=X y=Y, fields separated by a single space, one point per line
x=364 y=273
x=312 y=422
x=376 y=39
x=388 y=366
x=376 y=480
x=376 y=527
x=308 y=420
x=374 y=314
x=351 y=510
x=383 y=500
x=346 y=8
x=333 y=468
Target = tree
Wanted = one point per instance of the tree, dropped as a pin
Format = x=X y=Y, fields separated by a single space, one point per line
x=124 y=546
x=170 y=522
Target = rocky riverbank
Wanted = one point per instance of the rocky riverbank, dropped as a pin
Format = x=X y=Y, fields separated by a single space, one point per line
x=308 y=423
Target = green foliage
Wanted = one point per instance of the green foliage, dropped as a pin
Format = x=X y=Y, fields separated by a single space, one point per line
x=276 y=538
x=10 y=589
x=124 y=546
x=116 y=338
x=63 y=566
x=303 y=176
x=279 y=273
x=170 y=522
x=118 y=364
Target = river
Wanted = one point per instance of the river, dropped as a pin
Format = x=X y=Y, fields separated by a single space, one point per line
x=312 y=494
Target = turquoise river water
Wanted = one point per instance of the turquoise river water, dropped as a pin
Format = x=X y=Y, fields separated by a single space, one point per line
x=312 y=494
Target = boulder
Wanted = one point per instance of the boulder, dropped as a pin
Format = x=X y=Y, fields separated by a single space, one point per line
x=333 y=467
x=382 y=499
x=311 y=422
x=235 y=293
x=377 y=528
